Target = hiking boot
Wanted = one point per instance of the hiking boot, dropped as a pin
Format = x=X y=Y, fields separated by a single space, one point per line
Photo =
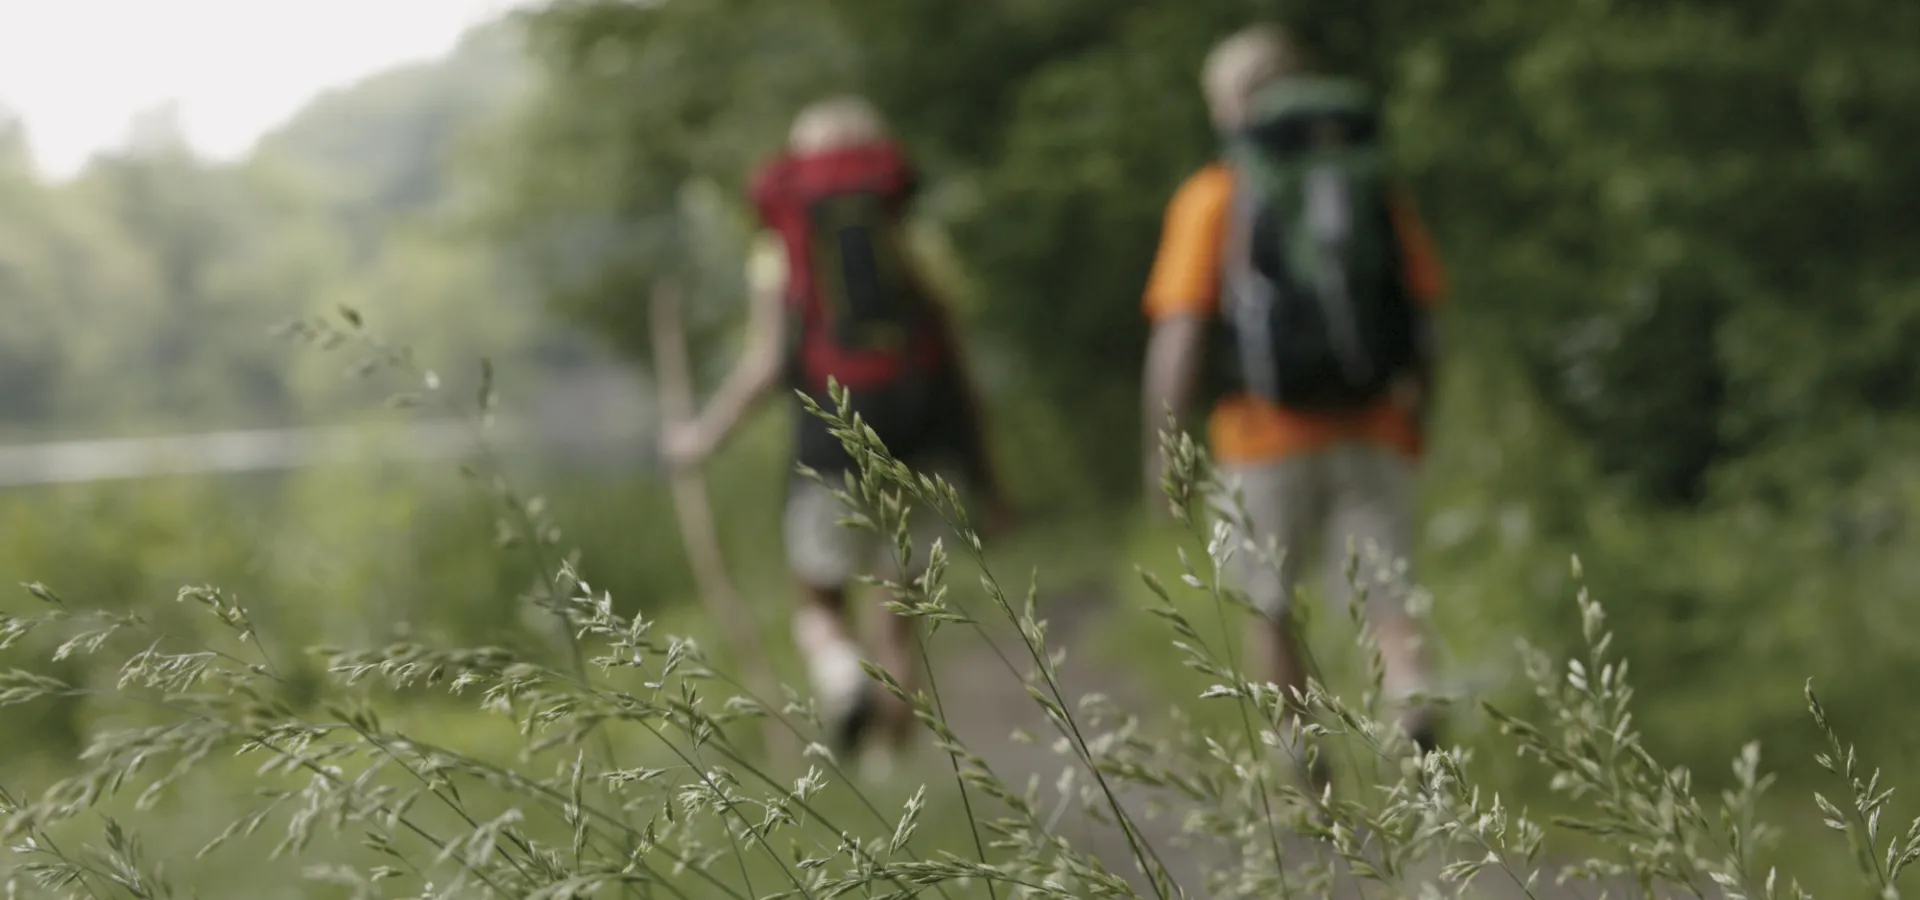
x=842 y=693
x=1423 y=728
x=1426 y=738
x=847 y=728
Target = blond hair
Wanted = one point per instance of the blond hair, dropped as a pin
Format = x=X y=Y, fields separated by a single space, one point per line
x=835 y=122
x=1243 y=63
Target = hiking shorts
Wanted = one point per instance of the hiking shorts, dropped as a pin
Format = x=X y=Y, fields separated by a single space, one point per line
x=826 y=555
x=1317 y=505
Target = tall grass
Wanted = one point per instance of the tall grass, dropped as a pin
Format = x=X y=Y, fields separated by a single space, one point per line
x=624 y=773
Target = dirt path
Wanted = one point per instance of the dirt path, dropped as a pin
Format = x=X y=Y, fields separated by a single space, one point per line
x=985 y=704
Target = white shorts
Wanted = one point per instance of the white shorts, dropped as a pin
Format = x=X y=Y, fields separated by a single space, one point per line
x=825 y=554
x=1314 y=505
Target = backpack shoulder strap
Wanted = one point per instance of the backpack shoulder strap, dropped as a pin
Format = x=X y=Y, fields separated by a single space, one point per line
x=1246 y=296
x=1237 y=274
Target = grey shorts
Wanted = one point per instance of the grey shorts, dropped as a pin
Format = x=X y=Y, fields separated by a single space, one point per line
x=1316 y=506
x=825 y=554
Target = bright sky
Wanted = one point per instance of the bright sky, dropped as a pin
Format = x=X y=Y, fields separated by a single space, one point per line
x=78 y=71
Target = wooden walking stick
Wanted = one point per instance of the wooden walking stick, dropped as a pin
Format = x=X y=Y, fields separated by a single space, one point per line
x=736 y=620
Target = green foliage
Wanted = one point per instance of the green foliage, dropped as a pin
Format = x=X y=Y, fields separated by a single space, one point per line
x=1667 y=222
x=1684 y=337
x=387 y=146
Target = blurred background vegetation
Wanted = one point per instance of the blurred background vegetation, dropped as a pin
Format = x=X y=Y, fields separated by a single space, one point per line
x=1684 y=300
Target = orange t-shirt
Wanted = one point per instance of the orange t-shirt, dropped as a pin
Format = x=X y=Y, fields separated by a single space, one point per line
x=1186 y=281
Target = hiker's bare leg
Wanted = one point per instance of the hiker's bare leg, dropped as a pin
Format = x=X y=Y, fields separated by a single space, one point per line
x=1372 y=518
x=1408 y=660
x=896 y=638
x=823 y=557
x=1281 y=502
x=896 y=648
x=821 y=621
x=1282 y=657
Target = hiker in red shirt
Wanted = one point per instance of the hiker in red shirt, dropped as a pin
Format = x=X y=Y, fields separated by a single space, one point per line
x=846 y=302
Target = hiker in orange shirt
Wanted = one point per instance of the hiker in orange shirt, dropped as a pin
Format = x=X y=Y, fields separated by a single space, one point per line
x=1296 y=278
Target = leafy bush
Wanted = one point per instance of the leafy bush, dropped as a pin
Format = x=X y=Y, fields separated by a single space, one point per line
x=626 y=775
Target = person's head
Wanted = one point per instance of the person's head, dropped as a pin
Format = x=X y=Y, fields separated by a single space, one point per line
x=1241 y=65
x=835 y=122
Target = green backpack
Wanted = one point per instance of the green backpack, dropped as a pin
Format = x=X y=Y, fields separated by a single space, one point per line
x=1314 y=300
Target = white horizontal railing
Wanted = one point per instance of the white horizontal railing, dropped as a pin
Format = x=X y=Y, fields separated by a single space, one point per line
x=267 y=450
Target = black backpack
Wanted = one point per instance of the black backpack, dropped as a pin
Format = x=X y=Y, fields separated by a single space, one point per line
x=1315 y=306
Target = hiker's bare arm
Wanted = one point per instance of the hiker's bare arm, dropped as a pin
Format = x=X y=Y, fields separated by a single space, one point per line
x=757 y=372
x=1173 y=365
